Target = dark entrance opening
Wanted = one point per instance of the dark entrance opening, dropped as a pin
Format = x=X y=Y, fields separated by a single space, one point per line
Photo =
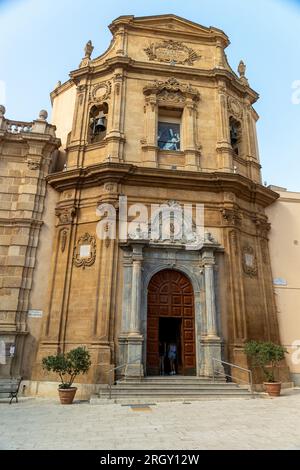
x=170 y=332
x=170 y=315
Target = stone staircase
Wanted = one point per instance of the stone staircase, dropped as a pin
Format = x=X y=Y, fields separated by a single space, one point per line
x=169 y=388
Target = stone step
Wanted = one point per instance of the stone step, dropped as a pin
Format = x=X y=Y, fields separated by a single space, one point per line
x=153 y=399
x=181 y=391
x=171 y=383
x=175 y=387
x=176 y=394
x=185 y=378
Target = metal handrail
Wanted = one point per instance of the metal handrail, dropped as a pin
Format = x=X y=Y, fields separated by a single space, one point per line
x=250 y=382
x=120 y=367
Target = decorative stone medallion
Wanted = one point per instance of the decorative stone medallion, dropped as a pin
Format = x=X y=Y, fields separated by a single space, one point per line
x=110 y=187
x=33 y=164
x=249 y=261
x=234 y=107
x=100 y=92
x=172 y=52
x=85 y=251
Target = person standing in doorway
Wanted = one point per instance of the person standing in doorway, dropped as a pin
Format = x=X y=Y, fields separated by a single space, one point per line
x=172 y=355
x=162 y=357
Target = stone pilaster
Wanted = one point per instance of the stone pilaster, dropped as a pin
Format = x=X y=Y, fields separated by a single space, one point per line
x=210 y=340
x=224 y=149
x=190 y=150
x=115 y=134
x=149 y=144
x=131 y=340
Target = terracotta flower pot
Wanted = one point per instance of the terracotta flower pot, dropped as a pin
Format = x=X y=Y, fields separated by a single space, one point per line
x=67 y=395
x=273 y=388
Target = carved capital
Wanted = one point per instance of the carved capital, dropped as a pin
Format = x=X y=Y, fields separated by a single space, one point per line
x=65 y=215
x=262 y=226
x=81 y=88
x=151 y=102
x=232 y=216
x=118 y=80
x=33 y=164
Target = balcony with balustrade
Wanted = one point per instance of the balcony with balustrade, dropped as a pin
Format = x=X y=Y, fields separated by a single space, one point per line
x=22 y=128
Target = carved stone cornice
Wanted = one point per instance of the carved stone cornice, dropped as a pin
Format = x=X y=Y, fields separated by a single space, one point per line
x=126 y=173
x=128 y=64
x=232 y=216
x=65 y=215
x=20 y=222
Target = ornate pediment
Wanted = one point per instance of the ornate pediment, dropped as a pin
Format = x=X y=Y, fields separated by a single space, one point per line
x=169 y=23
x=171 y=86
x=172 y=52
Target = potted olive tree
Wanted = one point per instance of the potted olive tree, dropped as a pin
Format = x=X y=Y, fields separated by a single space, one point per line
x=266 y=355
x=68 y=366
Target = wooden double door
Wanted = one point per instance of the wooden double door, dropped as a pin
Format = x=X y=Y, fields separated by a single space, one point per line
x=171 y=319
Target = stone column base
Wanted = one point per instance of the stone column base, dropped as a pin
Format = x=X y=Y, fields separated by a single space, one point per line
x=132 y=345
x=210 y=347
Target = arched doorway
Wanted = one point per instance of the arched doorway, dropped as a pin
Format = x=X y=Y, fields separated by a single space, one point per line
x=171 y=318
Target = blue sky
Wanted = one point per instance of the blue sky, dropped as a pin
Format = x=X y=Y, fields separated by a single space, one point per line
x=43 y=40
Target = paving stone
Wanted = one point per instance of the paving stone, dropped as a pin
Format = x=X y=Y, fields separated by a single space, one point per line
x=220 y=424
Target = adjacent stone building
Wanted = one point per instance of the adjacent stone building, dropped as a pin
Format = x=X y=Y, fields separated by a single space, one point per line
x=27 y=154
x=159 y=118
x=284 y=216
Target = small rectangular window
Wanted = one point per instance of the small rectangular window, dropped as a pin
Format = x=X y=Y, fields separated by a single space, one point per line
x=168 y=136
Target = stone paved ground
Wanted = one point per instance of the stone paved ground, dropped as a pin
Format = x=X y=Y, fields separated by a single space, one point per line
x=220 y=424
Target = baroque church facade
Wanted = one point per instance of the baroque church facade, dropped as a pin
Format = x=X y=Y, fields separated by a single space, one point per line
x=160 y=118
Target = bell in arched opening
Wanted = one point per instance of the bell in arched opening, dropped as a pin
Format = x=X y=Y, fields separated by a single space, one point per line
x=235 y=135
x=98 y=122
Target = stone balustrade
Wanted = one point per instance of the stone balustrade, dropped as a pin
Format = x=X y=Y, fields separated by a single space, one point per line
x=38 y=126
x=16 y=127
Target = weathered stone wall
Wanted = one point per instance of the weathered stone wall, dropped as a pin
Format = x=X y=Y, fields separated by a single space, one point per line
x=26 y=154
x=158 y=65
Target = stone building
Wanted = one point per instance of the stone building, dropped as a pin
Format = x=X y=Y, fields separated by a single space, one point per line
x=159 y=118
x=27 y=154
x=284 y=216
